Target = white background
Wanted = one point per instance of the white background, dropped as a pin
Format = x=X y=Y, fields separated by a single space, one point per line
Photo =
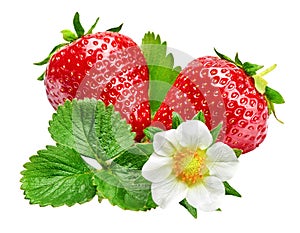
x=264 y=32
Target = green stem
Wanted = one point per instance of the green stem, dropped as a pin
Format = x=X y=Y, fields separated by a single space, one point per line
x=266 y=71
x=102 y=163
x=259 y=82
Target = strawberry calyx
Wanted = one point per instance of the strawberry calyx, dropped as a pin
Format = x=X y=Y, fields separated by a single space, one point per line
x=249 y=68
x=272 y=96
x=70 y=36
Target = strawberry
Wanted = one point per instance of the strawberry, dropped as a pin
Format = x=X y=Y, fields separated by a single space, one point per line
x=107 y=66
x=225 y=91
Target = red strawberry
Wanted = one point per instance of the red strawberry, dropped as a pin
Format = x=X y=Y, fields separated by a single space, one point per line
x=225 y=91
x=107 y=66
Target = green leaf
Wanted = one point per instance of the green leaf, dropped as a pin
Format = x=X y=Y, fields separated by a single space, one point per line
x=47 y=59
x=200 y=117
x=57 y=176
x=136 y=156
x=73 y=125
x=114 y=133
x=248 y=67
x=237 y=152
x=216 y=131
x=161 y=69
x=237 y=61
x=92 y=129
x=151 y=131
x=271 y=109
x=176 y=120
x=77 y=25
x=42 y=76
x=123 y=184
x=274 y=96
x=116 y=29
x=57 y=47
x=230 y=191
x=222 y=56
x=43 y=62
x=90 y=31
x=251 y=68
x=192 y=210
x=68 y=35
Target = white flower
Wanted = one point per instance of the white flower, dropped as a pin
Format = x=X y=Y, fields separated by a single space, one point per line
x=185 y=165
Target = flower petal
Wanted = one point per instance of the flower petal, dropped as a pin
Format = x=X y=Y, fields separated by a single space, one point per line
x=194 y=134
x=157 y=168
x=221 y=161
x=207 y=195
x=165 y=143
x=168 y=191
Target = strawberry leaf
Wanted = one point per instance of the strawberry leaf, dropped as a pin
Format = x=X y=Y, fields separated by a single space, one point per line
x=136 y=156
x=161 y=69
x=57 y=176
x=123 y=184
x=92 y=129
x=77 y=25
x=113 y=133
x=73 y=125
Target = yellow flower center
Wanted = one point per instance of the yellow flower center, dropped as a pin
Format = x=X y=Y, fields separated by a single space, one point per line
x=189 y=166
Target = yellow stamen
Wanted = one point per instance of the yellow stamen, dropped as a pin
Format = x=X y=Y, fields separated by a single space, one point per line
x=189 y=166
